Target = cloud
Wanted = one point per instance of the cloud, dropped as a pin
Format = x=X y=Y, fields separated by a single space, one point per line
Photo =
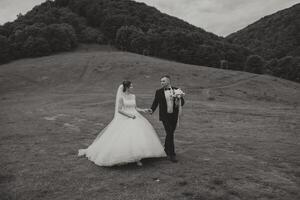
x=221 y=17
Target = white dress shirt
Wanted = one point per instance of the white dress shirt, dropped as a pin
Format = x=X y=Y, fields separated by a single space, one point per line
x=169 y=99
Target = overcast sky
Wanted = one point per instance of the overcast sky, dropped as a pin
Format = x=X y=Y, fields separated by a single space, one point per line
x=221 y=17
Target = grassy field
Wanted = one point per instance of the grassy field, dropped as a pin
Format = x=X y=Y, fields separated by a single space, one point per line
x=238 y=138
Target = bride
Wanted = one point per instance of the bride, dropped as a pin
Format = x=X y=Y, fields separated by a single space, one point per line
x=129 y=137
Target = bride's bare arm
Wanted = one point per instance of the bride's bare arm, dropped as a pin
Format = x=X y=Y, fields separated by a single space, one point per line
x=139 y=109
x=123 y=112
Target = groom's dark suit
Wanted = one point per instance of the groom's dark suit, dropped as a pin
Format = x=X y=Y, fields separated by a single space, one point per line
x=169 y=120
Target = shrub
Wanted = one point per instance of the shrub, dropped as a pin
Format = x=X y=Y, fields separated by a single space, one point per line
x=36 y=46
x=130 y=38
x=61 y=37
x=254 y=64
x=287 y=67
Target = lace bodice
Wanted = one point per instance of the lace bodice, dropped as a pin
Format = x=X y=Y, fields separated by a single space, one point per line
x=129 y=103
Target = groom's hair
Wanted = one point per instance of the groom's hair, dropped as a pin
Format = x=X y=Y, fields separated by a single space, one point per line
x=166 y=76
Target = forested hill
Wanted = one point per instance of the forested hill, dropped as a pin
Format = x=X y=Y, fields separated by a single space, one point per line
x=60 y=25
x=276 y=38
x=273 y=36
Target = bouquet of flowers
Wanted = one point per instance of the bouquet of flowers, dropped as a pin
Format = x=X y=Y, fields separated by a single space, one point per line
x=177 y=95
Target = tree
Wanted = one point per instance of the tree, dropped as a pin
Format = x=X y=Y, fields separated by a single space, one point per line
x=68 y=17
x=36 y=46
x=90 y=35
x=207 y=56
x=270 y=65
x=287 y=67
x=61 y=3
x=4 y=31
x=111 y=25
x=254 y=64
x=139 y=44
x=61 y=37
x=5 y=54
x=129 y=38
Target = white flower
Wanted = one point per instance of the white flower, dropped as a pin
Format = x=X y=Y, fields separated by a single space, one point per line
x=178 y=93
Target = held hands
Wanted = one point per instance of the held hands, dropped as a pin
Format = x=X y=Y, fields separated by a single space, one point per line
x=146 y=111
x=149 y=111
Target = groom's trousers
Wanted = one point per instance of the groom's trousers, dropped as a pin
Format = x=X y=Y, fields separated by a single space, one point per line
x=170 y=123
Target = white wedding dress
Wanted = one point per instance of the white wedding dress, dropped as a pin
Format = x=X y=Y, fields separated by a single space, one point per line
x=125 y=139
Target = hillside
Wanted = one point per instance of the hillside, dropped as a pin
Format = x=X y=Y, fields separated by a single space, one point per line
x=238 y=138
x=273 y=36
x=59 y=25
x=94 y=64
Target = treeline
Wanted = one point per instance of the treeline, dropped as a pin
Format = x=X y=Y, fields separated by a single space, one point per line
x=287 y=67
x=276 y=39
x=60 y=25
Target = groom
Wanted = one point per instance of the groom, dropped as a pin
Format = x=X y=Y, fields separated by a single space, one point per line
x=168 y=113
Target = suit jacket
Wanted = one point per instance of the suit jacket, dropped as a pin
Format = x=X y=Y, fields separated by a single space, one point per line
x=160 y=100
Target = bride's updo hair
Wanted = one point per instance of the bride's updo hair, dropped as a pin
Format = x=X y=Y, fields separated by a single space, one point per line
x=126 y=85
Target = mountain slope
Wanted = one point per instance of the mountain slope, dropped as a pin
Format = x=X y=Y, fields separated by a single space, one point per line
x=62 y=24
x=273 y=36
